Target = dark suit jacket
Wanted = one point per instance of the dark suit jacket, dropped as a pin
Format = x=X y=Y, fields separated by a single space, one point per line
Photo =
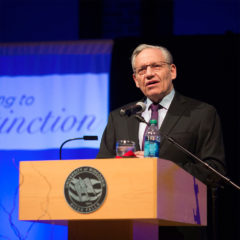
x=193 y=124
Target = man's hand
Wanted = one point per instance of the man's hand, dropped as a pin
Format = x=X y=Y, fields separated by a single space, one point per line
x=139 y=154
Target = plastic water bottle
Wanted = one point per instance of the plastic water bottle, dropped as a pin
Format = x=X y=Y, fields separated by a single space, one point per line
x=152 y=140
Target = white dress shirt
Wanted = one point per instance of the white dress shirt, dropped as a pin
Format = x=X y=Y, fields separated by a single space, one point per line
x=165 y=103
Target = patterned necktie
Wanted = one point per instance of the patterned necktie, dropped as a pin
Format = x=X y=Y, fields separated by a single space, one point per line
x=154 y=115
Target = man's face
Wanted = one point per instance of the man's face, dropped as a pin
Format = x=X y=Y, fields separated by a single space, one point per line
x=153 y=75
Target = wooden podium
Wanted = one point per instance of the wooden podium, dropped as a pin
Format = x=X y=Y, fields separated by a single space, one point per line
x=142 y=193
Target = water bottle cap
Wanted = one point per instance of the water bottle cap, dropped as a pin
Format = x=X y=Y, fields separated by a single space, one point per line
x=153 y=121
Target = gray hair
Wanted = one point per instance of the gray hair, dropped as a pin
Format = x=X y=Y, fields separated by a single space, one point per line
x=141 y=47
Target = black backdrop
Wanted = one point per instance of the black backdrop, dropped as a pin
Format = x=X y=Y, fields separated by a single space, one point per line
x=209 y=70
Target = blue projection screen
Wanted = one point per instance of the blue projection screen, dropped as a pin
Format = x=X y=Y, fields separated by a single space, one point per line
x=49 y=92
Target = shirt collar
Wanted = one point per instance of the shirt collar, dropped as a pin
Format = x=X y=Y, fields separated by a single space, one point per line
x=165 y=102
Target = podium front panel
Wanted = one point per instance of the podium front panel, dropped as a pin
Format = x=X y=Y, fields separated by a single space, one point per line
x=137 y=188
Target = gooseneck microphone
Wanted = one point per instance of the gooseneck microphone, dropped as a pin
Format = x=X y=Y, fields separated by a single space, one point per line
x=73 y=139
x=137 y=108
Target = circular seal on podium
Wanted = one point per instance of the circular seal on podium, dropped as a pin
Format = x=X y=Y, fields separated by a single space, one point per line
x=85 y=189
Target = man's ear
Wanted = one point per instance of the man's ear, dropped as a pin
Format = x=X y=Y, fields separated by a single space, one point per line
x=135 y=80
x=173 y=71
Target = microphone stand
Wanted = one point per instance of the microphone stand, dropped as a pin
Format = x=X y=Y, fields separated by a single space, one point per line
x=214 y=190
x=223 y=178
x=213 y=170
x=73 y=139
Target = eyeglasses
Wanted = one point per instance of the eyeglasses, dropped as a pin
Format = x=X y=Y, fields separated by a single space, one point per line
x=154 y=66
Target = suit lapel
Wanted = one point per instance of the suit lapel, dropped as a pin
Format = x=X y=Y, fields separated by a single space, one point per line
x=133 y=127
x=174 y=113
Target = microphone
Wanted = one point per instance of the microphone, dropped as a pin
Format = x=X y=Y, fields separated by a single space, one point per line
x=137 y=108
x=89 y=138
x=73 y=139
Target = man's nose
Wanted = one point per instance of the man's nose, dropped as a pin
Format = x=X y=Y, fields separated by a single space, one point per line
x=149 y=72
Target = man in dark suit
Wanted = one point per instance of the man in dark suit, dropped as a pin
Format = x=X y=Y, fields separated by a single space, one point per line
x=193 y=124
